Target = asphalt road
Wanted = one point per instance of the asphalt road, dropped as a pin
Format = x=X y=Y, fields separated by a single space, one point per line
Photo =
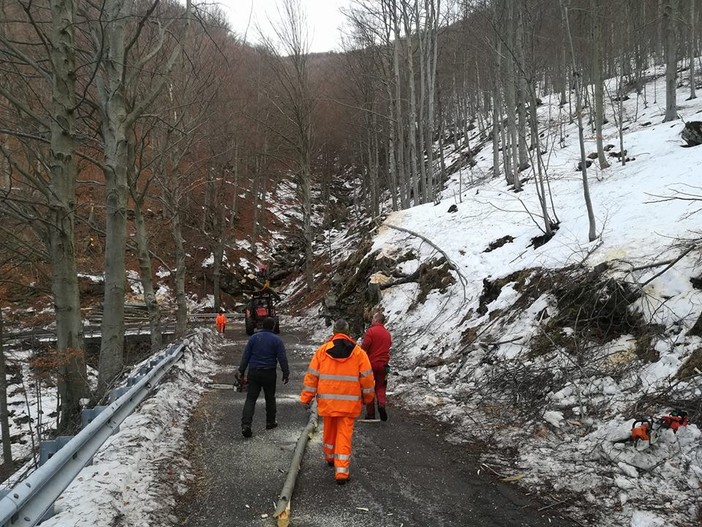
x=403 y=472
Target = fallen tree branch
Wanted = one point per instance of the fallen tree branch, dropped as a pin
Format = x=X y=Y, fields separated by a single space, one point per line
x=670 y=264
x=452 y=264
x=545 y=507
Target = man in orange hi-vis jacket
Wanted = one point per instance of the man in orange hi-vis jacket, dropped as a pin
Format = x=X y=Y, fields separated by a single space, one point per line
x=341 y=378
x=221 y=321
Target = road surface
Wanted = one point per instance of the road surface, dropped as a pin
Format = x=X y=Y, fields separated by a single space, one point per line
x=403 y=472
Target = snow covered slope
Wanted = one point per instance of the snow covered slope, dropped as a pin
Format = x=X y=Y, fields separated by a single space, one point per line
x=474 y=369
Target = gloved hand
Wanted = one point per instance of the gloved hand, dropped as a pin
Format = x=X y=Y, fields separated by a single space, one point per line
x=307 y=405
x=237 y=376
x=285 y=379
x=387 y=369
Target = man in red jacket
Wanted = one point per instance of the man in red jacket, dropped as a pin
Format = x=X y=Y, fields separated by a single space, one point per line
x=376 y=343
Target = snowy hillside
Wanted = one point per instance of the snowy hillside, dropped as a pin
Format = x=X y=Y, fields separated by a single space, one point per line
x=472 y=367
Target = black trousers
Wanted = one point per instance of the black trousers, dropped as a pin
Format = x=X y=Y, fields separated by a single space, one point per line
x=260 y=379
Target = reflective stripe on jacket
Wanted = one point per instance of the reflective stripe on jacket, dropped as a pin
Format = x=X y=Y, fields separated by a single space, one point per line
x=342 y=381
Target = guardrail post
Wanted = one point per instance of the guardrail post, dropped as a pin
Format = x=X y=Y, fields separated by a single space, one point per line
x=86 y=417
x=118 y=392
x=88 y=414
x=48 y=448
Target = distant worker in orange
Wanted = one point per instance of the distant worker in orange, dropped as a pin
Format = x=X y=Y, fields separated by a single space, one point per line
x=221 y=321
x=341 y=379
x=376 y=343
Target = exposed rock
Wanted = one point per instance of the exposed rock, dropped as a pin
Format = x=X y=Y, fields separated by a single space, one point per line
x=379 y=278
x=579 y=168
x=499 y=243
x=692 y=133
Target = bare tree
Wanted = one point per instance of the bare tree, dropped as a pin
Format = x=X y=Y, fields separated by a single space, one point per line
x=670 y=13
x=592 y=232
x=119 y=111
x=692 y=48
x=56 y=227
x=139 y=195
x=406 y=14
x=597 y=9
x=291 y=68
x=7 y=460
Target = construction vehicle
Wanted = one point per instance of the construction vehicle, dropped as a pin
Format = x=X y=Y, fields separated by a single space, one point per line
x=261 y=304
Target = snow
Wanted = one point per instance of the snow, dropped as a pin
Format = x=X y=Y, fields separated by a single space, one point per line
x=126 y=478
x=572 y=445
x=637 y=225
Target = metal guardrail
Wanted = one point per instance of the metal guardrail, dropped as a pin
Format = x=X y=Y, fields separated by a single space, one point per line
x=27 y=503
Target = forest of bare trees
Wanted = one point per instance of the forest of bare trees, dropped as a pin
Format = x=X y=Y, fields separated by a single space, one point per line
x=134 y=127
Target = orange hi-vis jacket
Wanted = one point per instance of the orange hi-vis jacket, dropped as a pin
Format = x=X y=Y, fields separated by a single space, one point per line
x=220 y=320
x=340 y=377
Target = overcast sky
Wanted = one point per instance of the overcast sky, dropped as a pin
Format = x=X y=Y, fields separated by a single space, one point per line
x=323 y=16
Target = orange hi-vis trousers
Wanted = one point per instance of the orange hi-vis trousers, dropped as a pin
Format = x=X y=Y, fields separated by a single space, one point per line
x=336 y=443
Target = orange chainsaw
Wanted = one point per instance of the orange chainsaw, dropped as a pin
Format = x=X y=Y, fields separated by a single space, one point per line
x=643 y=429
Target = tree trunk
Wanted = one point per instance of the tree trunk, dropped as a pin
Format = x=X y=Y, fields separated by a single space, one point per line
x=423 y=146
x=399 y=115
x=412 y=117
x=510 y=152
x=307 y=228
x=564 y=78
x=598 y=81
x=375 y=164
x=520 y=81
x=496 y=118
x=540 y=168
x=181 y=298
x=592 y=232
x=392 y=147
x=4 y=162
x=217 y=257
x=392 y=143
x=433 y=28
x=670 y=10
x=147 y=282
x=69 y=327
x=7 y=461
x=692 y=46
x=257 y=205
x=114 y=114
x=119 y=113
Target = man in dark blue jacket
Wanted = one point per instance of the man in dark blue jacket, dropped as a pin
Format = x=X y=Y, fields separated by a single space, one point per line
x=262 y=353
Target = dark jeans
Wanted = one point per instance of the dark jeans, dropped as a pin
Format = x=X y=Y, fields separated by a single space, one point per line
x=260 y=379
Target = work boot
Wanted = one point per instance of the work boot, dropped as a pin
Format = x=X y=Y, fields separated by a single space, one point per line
x=246 y=431
x=370 y=415
x=270 y=426
x=383 y=413
x=341 y=481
